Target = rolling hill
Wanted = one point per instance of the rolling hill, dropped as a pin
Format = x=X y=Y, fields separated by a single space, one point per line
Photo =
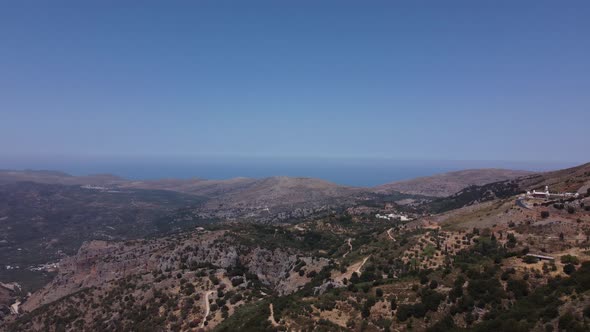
x=321 y=272
x=445 y=184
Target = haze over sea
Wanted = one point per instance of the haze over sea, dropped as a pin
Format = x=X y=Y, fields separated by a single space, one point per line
x=352 y=172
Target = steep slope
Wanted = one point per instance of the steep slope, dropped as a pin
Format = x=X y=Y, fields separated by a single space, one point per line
x=441 y=185
x=156 y=275
x=7 y=298
x=251 y=277
x=574 y=179
x=39 y=223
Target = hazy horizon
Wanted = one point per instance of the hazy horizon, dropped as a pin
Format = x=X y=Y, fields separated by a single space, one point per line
x=361 y=94
x=361 y=172
x=461 y=80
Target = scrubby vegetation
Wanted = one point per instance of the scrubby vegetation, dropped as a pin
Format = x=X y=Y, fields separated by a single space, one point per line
x=496 y=266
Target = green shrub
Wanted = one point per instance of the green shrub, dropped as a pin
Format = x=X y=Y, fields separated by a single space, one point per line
x=379 y=292
x=518 y=287
x=236 y=281
x=530 y=259
x=569 y=259
x=433 y=284
x=214 y=279
x=404 y=312
x=569 y=269
x=393 y=303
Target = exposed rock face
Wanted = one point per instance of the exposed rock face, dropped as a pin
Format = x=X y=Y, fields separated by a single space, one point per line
x=269 y=265
x=100 y=262
x=6 y=299
x=293 y=281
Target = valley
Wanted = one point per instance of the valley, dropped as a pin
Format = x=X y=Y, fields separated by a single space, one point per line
x=130 y=257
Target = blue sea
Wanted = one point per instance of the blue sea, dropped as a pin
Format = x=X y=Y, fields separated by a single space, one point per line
x=352 y=172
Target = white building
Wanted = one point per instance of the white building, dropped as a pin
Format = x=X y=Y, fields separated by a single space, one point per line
x=548 y=195
x=393 y=216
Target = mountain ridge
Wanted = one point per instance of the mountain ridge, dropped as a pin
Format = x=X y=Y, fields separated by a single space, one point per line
x=475 y=176
x=223 y=275
x=445 y=184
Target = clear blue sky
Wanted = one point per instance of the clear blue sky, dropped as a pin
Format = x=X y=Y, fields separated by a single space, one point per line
x=454 y=80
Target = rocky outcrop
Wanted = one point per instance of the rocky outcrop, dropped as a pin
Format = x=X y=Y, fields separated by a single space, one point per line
x=6 y=299
x=99 y=262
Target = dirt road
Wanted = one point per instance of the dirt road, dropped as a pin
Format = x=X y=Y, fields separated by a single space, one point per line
x=358 y=270
x=389 y=233
x=207 y=309
x=350 y=245
x=271 y=318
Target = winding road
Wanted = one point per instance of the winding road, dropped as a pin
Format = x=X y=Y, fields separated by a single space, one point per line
x=358 y=270
x=271 y=318
x=207 y=309
x=350 y=245
x=389 y=234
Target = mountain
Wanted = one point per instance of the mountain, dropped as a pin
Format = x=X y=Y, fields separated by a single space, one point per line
x=56 y=177
x=254 y=193
x=574 y=179
x=482 y=259
x=283 y=195
x=266 y=199
x=193 y=186
x=7 y=298
x=45 y=216
x=41 y=223
x=237 y=197
x=445 y=184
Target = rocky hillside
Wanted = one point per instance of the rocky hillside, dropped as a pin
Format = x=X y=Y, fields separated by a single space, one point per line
x=7 y=298
x=467 y=268
x=574 y=179
x=468 y=271
x=220 y=269
x=268 y=199
x=40 y=223
x=446 y=184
